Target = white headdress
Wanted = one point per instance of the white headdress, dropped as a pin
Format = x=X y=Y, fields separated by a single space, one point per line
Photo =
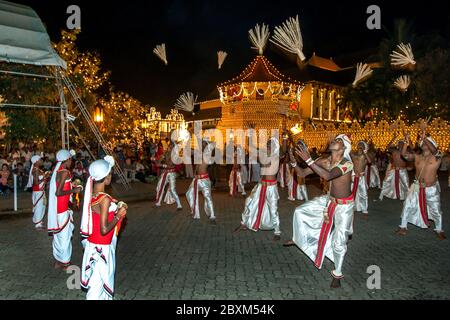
x=431 y=140
x=61 y=156
x=366 y=146
x=34 y=159
x=347 y=146
x=98 y=170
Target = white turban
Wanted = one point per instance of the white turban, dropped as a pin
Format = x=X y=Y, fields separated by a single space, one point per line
x=366 y=146
x=431 y=140
x=98 y=170
x=34 y=159
x=347 y=145
x=63 y=155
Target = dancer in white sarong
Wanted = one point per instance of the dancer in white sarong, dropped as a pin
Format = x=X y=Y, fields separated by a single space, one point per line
x=235 y=181
x=396 y=181
x=202 y=183
x=423 y=202
x=261 y=207
x=297 y=187
x=36 y=180
x=168 y=177
x=372 y=173
x=360 y=160
x=100 y=225
x=283 y=176
x=60 y=220
x=322 y=225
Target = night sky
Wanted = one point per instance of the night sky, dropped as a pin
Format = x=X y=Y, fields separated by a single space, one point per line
x=124 y=34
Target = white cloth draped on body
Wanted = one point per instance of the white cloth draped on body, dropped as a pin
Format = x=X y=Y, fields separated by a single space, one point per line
x=62 y=239
x=235 y=183
x=261 y=208
x=200 y=183
x=296 y=191
x=98 y=267
x=317 y=238
x=422 y=204
x=359 y=191
x=395 y=184
x=168 y=177
x=283 y=176
x=39 y=201
x=373 y=176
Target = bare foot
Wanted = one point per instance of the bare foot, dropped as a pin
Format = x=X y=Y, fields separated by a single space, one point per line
x=276 y=237
x=401 y=231
x=61 y=266
x=289 y=243
x=441 y=235
x=240 y=228
x=335 y=283
x=365 y=216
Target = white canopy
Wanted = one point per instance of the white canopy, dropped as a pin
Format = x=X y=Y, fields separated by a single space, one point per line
x=23 y=38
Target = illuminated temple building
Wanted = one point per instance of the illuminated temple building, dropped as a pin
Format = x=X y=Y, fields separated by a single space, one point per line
x=262 y=97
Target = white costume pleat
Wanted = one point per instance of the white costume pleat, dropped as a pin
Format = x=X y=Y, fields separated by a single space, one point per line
x=97 y=273
x=236 y=178
x=395 y=184
x=244 y=174
x=39 y=202
x=200 y=184
x=422 y=205
x=189 y=171
x=296 y=191
x=360 y=194
x=62 y=239
x=283 y=176
x=373 y=178
x=310 y=231
x=256 y=169
x=168 y=177
x=261 y=208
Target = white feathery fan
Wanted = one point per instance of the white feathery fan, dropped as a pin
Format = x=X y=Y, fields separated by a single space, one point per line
x=186 y=102
x=404 y=57
x=363 y=71
x=402 y=83
x=259 y=36
x=221 y=55
x=160 y=52
x=288 y=37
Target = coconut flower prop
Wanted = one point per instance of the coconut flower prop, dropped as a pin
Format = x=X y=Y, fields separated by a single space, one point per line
x=288 y=37
x=258 y=37
x=221 y=56
x=402 y=83
x=403 y=58
x=186 y=102
x=363 y=71
x=160 y=52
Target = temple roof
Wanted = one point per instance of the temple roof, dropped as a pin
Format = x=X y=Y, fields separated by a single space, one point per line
x=323 y=63
x=259 y=70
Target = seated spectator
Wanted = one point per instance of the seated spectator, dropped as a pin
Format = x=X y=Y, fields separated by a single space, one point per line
x=4 y=176
x=140 y=171
x=47 y=164
x=79 y=172
x=130 y=170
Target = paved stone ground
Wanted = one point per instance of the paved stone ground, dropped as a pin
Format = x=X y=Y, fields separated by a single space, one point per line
x=163 y=254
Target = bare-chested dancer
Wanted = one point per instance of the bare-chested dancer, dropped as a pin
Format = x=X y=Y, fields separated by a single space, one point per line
x=423 y=201
x=322 y=225
x=360 y=160
x=202 y=183
x=396 y=181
